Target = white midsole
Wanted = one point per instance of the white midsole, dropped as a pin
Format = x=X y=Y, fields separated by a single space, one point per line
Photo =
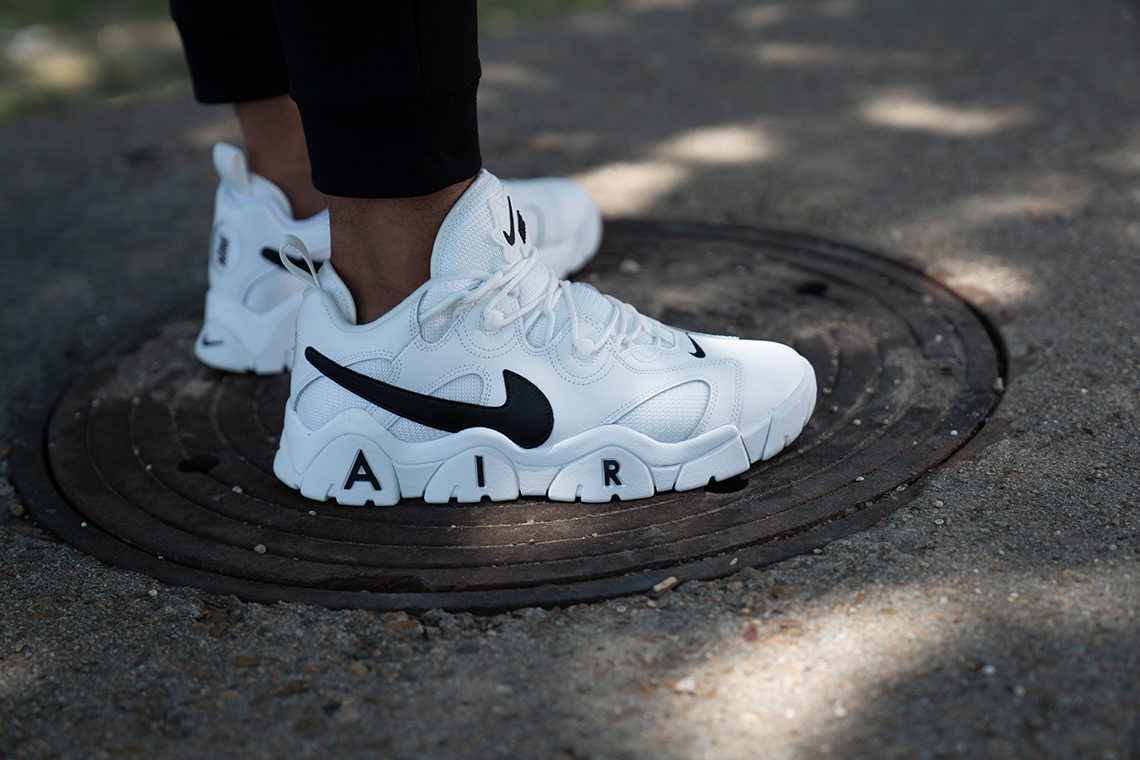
x=480 y=463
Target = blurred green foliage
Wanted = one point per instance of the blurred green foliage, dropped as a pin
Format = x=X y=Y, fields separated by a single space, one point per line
x=63 y=53
x=494 y=14
x=80 y=14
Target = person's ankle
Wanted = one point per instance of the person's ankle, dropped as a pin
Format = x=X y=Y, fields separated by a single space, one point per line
x=381 y=247
x=305 y=199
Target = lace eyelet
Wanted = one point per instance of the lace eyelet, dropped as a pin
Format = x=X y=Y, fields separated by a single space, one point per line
x=492 y=320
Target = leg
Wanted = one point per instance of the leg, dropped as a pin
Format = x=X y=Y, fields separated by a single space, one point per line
x=387 y=95
x=389 y=99
x=234 y=53
x=381 y=247
x=275 y=143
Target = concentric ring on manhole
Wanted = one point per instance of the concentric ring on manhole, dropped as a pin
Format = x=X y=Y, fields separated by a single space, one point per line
x=151 y=461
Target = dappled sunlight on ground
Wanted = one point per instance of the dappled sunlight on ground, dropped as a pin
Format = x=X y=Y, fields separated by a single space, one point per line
x=631 y=187
x=626 y=188
x=986 y=281
x=721 y=145
x=800 y=676
x=915 y=111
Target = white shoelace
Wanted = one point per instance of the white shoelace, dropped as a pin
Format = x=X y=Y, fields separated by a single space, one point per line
x=625 y=323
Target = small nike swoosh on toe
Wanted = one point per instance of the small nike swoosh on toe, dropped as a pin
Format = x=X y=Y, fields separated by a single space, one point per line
x=526 y=417
x=207 y=342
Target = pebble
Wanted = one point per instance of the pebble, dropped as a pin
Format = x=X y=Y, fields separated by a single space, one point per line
x=399 y=626
x=358 y=669
x=246 y=661
x=19 y=510
x=236 y=489
x=989 y=670
x=687 y=685
x=153 y=593
x=260 y=548
x=665 y=585
x=629 y=266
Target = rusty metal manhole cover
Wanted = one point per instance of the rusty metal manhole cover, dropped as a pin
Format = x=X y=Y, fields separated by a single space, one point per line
x=153 y=462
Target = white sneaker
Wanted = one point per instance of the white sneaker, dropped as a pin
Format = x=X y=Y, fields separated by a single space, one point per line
x=252 y=302
x=496 y=379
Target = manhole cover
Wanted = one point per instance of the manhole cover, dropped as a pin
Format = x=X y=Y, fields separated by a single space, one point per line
x=151 y=461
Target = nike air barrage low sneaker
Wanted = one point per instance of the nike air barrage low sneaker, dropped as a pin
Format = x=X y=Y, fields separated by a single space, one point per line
x=496 y=379
x=252 y=302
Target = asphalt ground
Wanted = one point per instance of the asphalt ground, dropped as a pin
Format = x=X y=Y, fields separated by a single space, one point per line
x=994 y=144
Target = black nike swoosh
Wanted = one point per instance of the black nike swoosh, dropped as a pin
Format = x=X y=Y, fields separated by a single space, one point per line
x=525 y=417
x=511 y=213
x=274 y=257
x=207 y=342
x=700 y=352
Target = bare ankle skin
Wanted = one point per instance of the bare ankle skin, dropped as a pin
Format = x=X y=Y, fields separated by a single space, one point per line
x=381 y=247
x=275 y=143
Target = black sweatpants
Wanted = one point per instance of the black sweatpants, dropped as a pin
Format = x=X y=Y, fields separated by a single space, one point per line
x=386 y=88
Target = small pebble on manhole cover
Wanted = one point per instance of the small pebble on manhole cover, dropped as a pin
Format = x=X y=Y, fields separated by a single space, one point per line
x=170 y=464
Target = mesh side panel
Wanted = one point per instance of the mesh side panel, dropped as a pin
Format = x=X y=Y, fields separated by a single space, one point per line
x=321 y=400
x=270 y=289
x=468 y=388
x=671 y=416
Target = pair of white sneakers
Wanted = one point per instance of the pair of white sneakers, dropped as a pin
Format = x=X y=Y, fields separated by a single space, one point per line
x=252 y=302
x=496 y=378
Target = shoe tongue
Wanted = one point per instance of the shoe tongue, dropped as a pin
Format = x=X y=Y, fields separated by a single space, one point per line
x=482 y=233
